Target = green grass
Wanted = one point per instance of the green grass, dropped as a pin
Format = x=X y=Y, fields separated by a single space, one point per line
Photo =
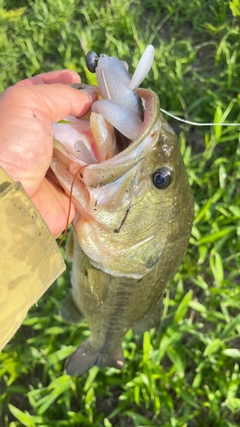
x=186 y=374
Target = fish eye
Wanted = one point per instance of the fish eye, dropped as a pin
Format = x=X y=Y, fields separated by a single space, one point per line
x=162 y=177
x=91 y=61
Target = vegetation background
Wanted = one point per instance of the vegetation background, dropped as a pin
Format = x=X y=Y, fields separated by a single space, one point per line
x=186 y=374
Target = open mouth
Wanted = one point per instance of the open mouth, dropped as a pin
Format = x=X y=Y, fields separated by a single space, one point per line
x=101 y=150
x=116 y=118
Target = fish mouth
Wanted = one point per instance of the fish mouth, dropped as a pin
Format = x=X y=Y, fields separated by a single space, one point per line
x=132 y=152
x=97 y=171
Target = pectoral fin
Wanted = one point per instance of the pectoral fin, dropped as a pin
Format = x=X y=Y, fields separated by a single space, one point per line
x=150 y=320
x=85 y=357
x=69 y=311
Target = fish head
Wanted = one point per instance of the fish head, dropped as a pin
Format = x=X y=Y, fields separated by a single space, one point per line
x=131 y=206
x=132 y=198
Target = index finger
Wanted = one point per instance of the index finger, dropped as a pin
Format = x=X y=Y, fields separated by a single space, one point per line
x=58 y=76
x=51 y=101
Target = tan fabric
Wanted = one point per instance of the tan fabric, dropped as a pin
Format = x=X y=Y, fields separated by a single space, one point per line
x=30 y=259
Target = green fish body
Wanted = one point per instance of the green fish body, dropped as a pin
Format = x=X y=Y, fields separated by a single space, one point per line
x=133 y=223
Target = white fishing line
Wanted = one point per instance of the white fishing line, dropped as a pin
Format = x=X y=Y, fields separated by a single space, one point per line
x=189 y=122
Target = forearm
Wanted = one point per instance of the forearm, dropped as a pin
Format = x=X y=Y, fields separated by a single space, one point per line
x=30 y=259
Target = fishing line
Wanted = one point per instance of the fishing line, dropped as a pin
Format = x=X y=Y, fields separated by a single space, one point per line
x=69 y=206
x=197 y=123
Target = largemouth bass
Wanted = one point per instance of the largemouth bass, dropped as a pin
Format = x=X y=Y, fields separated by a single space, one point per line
x=134 y=210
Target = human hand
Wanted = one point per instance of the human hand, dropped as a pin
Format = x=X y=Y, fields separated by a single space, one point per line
x=27 y=111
